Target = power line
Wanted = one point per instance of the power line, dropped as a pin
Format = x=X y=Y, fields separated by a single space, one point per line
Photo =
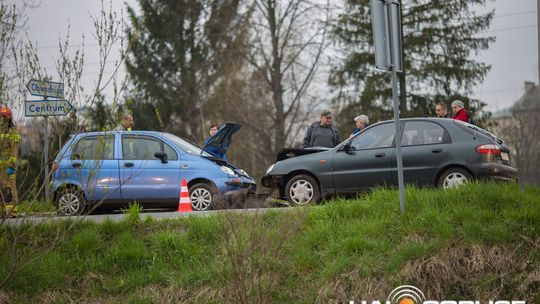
x=511 y=28
x=498 y=91
x=69 y=46
x=515 y=14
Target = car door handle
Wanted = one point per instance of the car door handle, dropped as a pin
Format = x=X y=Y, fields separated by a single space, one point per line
x=379 y=155
x=76 y=165
x=128 y=164
x=438 y=150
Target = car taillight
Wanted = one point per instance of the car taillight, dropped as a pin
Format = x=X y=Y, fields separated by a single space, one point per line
x=488 y=149
x=54 y=166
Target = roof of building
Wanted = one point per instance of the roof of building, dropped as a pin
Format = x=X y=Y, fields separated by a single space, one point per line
x=529 y=101
x=504 y=113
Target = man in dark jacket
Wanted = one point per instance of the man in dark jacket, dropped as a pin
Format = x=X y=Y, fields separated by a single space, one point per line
x=441 y=110
x=322 y=133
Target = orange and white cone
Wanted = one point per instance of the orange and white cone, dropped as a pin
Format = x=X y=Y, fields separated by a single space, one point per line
x=184 y=204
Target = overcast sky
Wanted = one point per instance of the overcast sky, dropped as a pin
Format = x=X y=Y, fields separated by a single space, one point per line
x=513 y=56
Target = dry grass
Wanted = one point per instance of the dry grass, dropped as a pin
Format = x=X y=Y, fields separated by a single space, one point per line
x=477 y=272
x=350 y=286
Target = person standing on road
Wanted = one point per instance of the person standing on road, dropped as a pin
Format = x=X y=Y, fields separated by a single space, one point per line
x=361 y=121
x=459 y=111
x=126 y=123
x=441 y=110
x=322 y=133
x=9 y=149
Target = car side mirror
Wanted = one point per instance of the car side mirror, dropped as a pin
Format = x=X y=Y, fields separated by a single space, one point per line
x=161 y=155
x=76 y=156
x=348 y=149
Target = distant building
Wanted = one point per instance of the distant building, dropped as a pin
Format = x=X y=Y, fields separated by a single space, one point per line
x=519 y=127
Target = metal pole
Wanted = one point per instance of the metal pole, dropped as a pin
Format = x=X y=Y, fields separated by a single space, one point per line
x=46 y=159
x=398 y=141
x=397 y=137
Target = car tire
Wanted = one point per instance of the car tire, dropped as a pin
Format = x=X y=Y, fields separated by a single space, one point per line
x=454 y=177
x=302 y=190
x=202 y=196
x=70 y=201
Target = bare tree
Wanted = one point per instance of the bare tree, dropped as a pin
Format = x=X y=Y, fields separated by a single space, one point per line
x=286 y=45
x=24 y=64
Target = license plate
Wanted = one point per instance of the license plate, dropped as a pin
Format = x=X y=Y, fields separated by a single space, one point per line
x=505 y=156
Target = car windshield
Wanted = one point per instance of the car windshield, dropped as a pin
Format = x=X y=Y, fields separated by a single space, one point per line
x=185 y=145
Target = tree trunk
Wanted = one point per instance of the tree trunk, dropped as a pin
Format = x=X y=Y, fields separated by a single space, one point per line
x=276 y=78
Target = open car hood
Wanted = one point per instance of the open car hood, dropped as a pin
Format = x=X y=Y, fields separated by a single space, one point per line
x=221 y=141
x=294 y=152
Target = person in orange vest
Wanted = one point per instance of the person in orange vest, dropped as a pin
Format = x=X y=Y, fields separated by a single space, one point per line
x=9 y=149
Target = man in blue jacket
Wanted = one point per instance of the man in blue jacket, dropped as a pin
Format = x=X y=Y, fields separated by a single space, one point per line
x=322 y=133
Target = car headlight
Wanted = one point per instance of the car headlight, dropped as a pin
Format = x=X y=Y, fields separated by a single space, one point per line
x=243 y=172
x=227 y=170
x=270 y=168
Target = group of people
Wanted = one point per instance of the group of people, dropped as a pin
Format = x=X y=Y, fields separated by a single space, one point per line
x=323 y=133
x=458 y=108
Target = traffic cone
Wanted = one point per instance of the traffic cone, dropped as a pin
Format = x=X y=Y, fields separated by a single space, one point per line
x=184 y=204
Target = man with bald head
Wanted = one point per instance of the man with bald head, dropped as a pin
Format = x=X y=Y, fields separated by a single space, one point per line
x=126 y=124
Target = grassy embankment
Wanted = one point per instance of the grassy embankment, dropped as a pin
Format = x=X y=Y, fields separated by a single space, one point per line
x=481 y=241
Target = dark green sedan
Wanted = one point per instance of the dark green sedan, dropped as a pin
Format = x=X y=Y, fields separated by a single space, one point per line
x=436 y=152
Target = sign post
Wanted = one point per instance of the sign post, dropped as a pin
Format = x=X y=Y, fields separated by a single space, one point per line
x=46 y=108
x=386 y=24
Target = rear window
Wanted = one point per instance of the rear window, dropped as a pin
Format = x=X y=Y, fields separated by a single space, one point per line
x=471 y=129
x=94 y=148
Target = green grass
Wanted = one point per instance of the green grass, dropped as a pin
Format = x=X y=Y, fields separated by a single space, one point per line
x=486 y=234
x=35 y=206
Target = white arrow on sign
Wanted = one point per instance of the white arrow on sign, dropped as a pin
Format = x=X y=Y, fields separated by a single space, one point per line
x=47 y=107
x=45 y=88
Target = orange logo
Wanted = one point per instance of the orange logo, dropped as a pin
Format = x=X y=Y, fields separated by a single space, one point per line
x=406 y=294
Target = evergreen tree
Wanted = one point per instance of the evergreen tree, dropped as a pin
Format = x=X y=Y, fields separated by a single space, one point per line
x=439 y=39
x=176 y=50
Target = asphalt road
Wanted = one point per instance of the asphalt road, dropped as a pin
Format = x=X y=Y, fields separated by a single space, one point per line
x=234 y=204
x=98 y=218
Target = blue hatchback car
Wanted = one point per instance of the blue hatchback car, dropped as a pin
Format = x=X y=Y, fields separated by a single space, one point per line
x=148 y=167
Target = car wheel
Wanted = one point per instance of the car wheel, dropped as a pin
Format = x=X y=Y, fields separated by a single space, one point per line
x=202 y=196
x=71 y=201
x=454 y=177
x=302 y=190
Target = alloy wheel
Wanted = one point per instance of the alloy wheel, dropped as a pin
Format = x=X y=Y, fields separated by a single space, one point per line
x=454 y=179
x=69 y=204
x=201 y=199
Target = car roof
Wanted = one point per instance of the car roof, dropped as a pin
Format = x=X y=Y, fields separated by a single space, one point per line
x=435 y=119
x=120 y=132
